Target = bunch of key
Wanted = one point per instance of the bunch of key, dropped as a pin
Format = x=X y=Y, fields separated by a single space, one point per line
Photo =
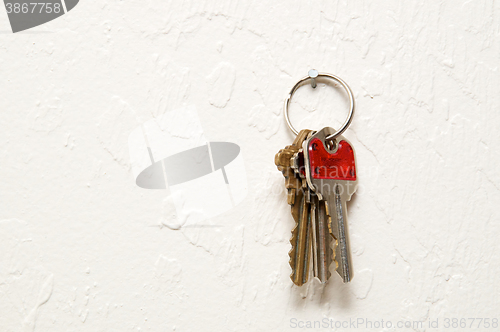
x=320 y=177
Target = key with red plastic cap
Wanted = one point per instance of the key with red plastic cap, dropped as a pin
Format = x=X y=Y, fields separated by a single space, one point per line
x=330 y=169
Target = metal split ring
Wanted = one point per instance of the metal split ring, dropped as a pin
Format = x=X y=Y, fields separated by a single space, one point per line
x=313 y=75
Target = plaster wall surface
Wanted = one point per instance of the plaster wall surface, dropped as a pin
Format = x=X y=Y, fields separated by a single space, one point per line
x=83 y=248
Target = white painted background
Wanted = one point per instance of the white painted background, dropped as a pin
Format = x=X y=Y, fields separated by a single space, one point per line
x=82 y=248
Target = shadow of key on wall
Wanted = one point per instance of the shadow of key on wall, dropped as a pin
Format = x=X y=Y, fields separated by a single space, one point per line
x=26 y=14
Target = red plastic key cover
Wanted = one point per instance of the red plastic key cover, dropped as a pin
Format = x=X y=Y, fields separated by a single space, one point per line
x=336 y=166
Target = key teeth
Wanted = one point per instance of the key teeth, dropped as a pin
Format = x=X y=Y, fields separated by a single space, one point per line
x=296 y=213
x=295 y=209
x=292 y=252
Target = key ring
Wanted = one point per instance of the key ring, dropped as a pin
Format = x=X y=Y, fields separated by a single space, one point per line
x=313 y=75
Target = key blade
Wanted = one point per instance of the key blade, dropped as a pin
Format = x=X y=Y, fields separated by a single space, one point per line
x=340 y=231
x=300 y=241
x=315 y=237
x=324 y=241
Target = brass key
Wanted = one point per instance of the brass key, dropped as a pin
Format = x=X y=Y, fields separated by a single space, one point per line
x=299 y=199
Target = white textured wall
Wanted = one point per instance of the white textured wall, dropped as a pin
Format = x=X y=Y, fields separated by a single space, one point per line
x=82 y=248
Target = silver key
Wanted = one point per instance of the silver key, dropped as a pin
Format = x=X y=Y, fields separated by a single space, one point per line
x=322 y=240
x=321 y=237
x=331 y=173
